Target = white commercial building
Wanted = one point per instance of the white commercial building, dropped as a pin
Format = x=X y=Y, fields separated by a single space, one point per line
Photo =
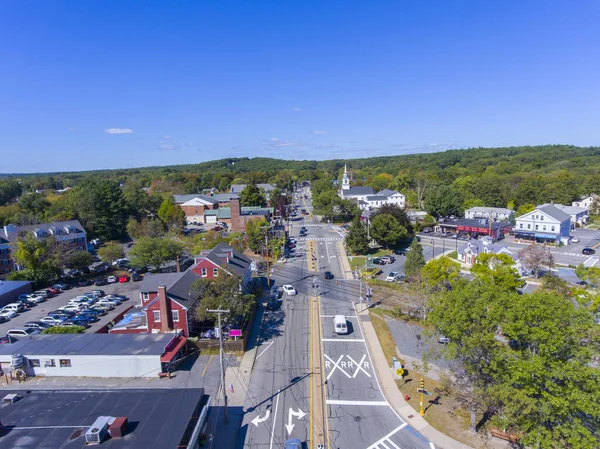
x=92 y=355
x=493 y=213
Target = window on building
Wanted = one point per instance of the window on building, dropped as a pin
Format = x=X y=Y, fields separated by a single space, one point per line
x=175 y=315
x=537 y=227
x=553 y=228
x=215 y=272
x=204 y=272
x=544 y=227
x=528 y=225
x=520 y=225
x=157 y=315
x=65 y=363
x=145 y=296
x=50 y=363
x=541 y=218
x=34 y=362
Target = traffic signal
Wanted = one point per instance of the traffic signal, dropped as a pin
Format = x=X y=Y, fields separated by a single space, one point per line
x=422 y=383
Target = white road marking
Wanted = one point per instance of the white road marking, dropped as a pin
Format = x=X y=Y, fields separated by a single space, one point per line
x=256 y=421
x=386 y=439
x=336 y=365
x=359 y=365
x=265 y=350
x=274 y=420
x=344 y=339
x=342 y=402
x=342 y=366
x=333 y=316
x=431 y=445
x=49 y=427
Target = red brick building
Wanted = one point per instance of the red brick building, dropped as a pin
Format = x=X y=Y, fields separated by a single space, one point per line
x=168 y=299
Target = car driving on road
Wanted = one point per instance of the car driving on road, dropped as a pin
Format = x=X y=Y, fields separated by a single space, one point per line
x=291 y=291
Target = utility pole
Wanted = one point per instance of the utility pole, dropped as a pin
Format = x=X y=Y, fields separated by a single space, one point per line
x=223 y=388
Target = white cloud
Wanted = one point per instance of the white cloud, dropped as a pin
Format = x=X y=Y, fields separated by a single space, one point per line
x=168 y=147
x=118 y=131
x=274 y=142
x=296 y=109
x=319 y=132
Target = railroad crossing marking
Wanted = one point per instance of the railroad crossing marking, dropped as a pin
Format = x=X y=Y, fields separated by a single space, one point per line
x=350 y=365
x=400 y=372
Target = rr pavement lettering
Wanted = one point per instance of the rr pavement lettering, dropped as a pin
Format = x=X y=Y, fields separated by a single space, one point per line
x=351 y=365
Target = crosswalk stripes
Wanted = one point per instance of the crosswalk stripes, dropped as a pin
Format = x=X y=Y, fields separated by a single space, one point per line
x=320 y=239
x=322 y=225
x=386 y=442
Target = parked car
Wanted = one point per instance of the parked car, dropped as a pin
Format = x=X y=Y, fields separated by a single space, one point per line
x=4 y=319
x=27 y=302
x=98 y=293
x=388 y=259
x=90 y=318
x=72 y=307
x=427 y=230
x=574 y=240
x=443 y=340
x=84 y=283
x=108 y=300
x=8 y=313
x=36 y=299
x=80 y=323
x=43 y=293
x=291 y=291
x=588 y=251
x=123 y=278
x=378 y=261
x=21 y=332
x=392 y=277
x=119 y=297
x=112 y=279
x=100 y=311
x=100 y=282
x=63 y=286
x=273 y=303
x=16 y=306
x=53 y=291
x=135 y=276
x=39 y=325
x=53 y=321
x=61 y=313
x=400 y=252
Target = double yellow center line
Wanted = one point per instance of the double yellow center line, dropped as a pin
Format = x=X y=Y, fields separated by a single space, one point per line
x=318 y=419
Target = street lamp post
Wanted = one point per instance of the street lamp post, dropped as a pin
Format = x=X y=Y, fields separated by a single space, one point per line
x=433 y=244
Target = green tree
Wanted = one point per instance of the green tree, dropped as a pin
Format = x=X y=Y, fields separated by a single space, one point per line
x=34 y=204
x=440 y=272
x=102 y=209
x=145 y=228
x=9 y=190
x=497 y=270
x=255 y=234
x=64 y=330
x=524 y=209
x=79 y=260
x=154 y=252
x=387 y=231
x=111 y=251
x=252 y=196
x=549 y=389
x=414 y=259
x=39 y=259
x=172 y=215
x=443 y=200
x=398 y=213
x=357 y=239
x=222 y=292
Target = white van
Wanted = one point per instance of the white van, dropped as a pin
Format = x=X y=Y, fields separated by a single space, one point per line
x=339 y=324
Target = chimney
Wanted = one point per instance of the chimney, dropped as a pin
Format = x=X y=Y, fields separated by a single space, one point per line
x=166 y=317
x=235 y=208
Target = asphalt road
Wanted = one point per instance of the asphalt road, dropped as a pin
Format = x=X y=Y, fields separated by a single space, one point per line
x=358 y=416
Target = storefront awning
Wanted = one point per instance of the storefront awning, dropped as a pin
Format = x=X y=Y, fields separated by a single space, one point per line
x=545 y=236
x=168 y=356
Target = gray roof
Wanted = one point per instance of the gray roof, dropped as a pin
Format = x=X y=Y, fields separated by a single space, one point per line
x=571 y=210
x=47 y=227
x=9 y=286
x=478 y=247
x=358 y=191
x=180 y=199
x=487 y=210
x=89 y=344
x=238 y=264
x=555 y=213
x=387 y=192
x=158 y=418
x=377 y=198
x=151 y=281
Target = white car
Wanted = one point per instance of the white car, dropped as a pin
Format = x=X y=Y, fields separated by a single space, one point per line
x=36 y=299
x=574 y=240
x=393 y=276
x=111 y=301
x=72 y=307
x=291 y=291
x=112 y=279
x=8 y=313
x=52 y=321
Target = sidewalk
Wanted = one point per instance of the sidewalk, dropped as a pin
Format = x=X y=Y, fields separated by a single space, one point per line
x=237 y=379
x=393 y=394
x=344 y=261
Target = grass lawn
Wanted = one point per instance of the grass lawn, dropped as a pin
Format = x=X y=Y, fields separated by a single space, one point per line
x=386 y=339
x=357 y=262
x=379 y=252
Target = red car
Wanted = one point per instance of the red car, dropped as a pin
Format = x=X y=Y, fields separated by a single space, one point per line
x=53 y=290
x=123 y=278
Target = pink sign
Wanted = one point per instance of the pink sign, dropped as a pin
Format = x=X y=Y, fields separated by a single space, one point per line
x=235 y=333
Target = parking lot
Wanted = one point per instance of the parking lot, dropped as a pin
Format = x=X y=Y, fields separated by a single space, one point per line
x=129 y=289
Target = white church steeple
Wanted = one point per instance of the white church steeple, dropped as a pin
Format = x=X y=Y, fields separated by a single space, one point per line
x=345 y=180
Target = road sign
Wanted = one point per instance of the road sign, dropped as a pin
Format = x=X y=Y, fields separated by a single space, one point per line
x=235 y=333
x=400 y=372
x=425 y=392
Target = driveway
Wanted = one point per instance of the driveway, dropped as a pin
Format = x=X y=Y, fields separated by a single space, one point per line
x=129 y=289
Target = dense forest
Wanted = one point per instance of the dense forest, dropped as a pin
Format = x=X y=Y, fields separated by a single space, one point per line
x=502 y=177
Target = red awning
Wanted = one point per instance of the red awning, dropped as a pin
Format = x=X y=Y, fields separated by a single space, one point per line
x=168 y=356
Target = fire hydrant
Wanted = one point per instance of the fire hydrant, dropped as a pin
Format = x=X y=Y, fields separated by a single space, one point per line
x=406 y=397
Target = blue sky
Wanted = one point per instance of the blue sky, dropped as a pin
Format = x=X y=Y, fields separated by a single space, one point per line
x=108 y=84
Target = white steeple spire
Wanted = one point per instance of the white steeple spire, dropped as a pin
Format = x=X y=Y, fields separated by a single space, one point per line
x=345 y=179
